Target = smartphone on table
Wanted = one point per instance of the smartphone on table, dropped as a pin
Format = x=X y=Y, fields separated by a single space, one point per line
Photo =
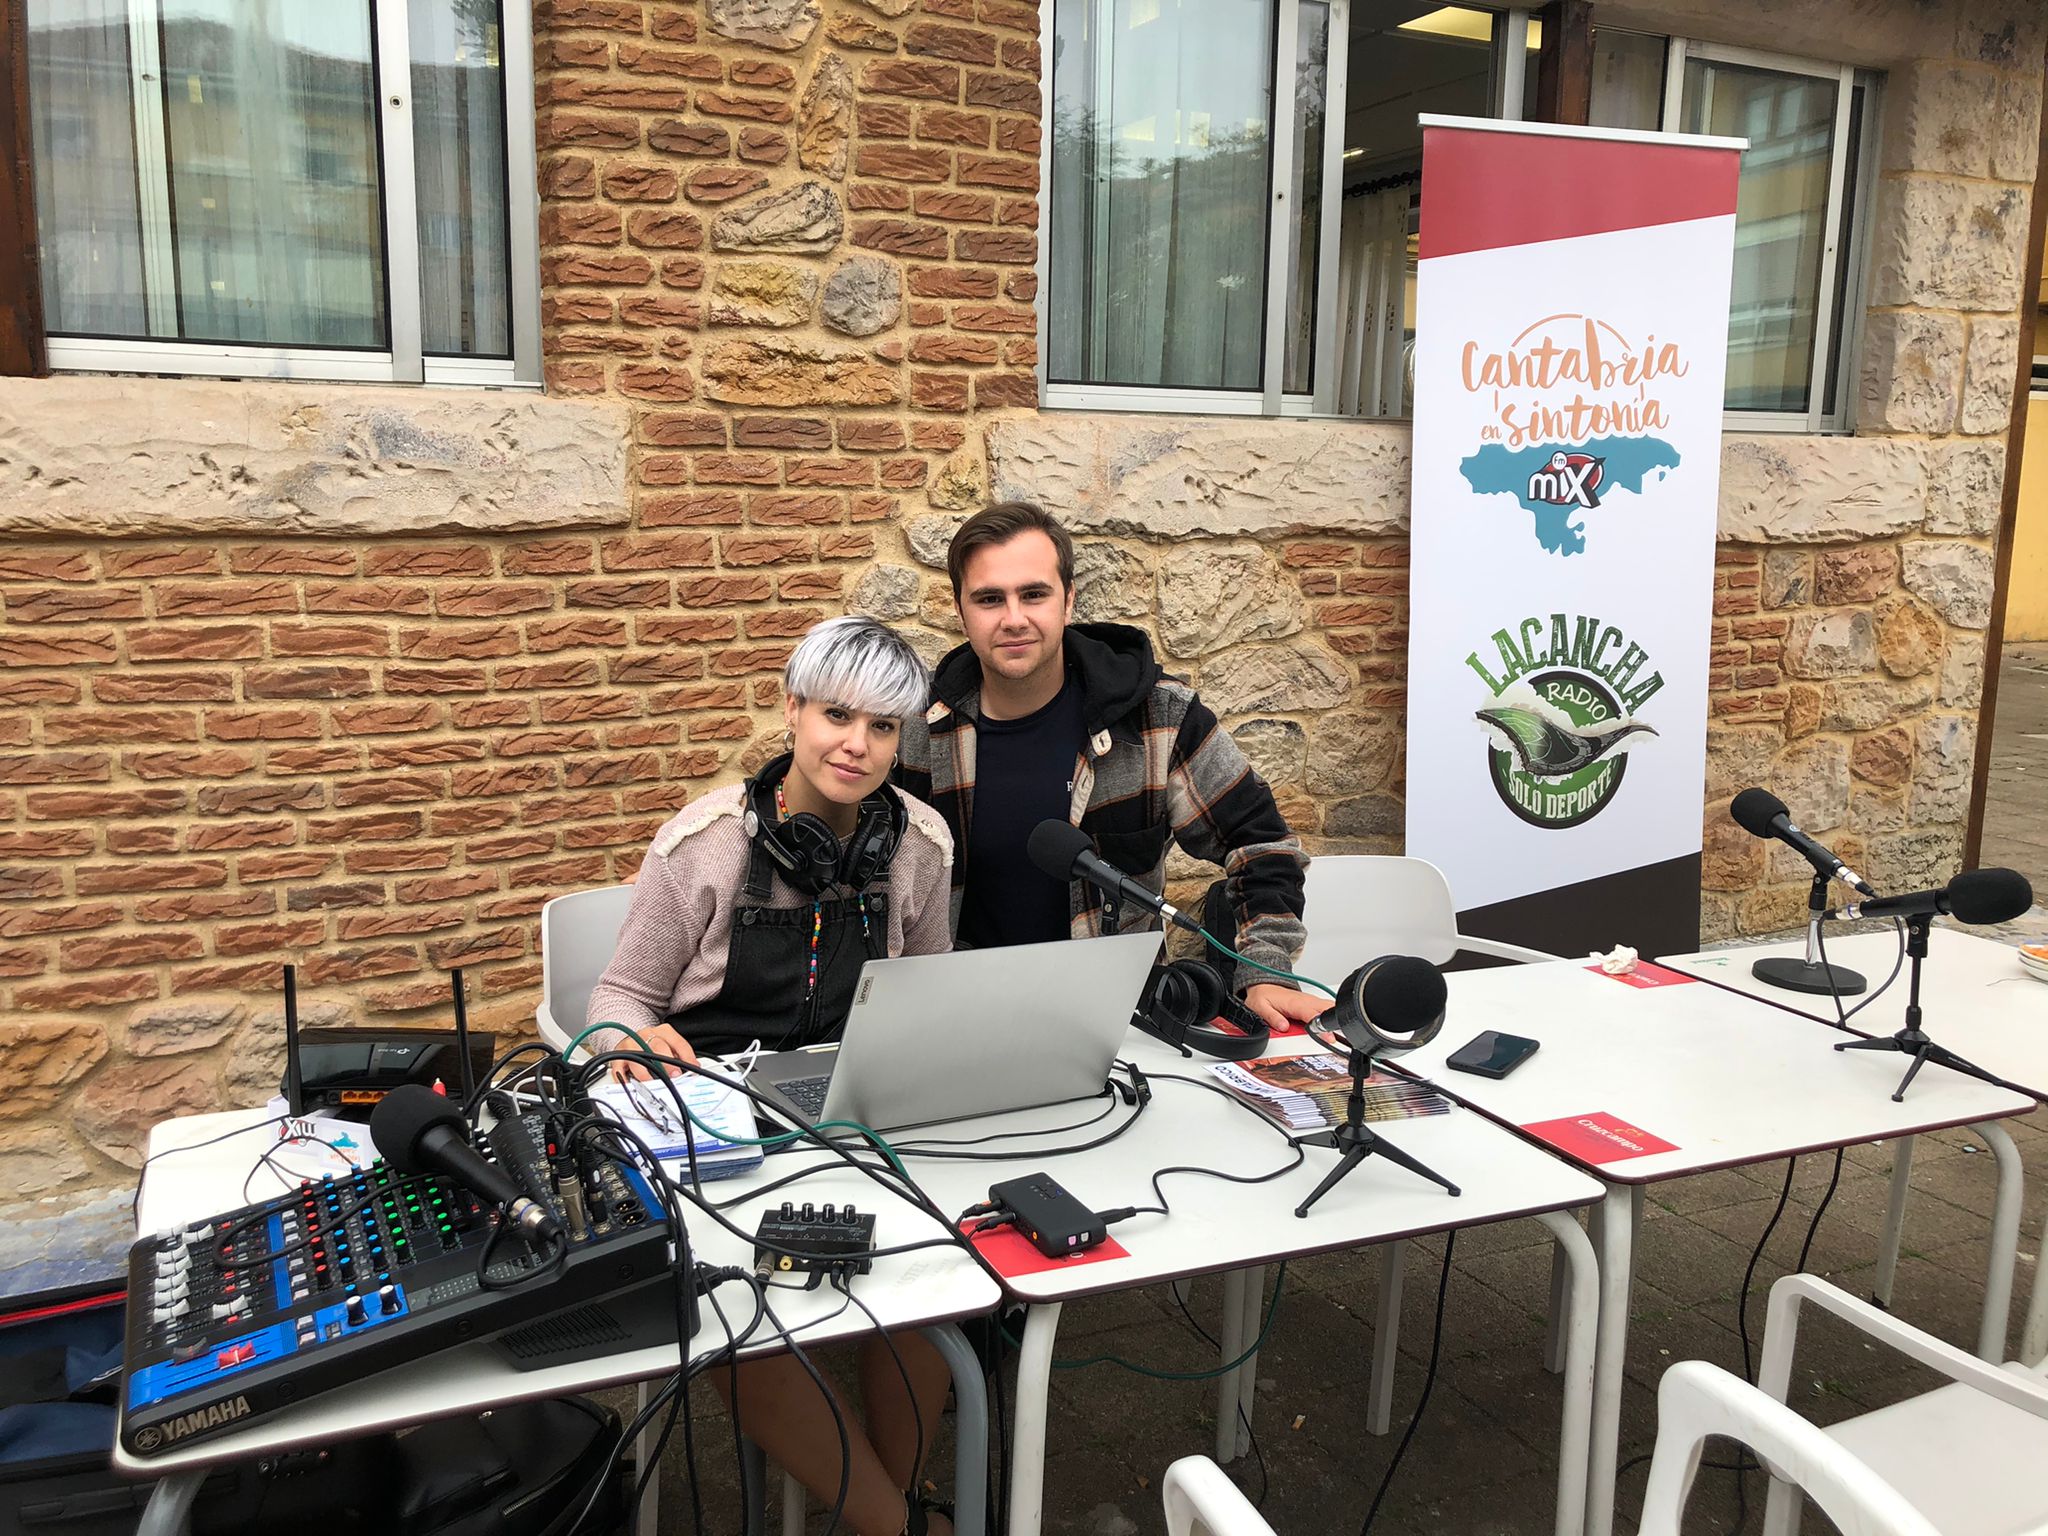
x=1491 y=1054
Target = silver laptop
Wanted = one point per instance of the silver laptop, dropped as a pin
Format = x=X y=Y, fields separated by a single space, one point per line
x=974 y=1032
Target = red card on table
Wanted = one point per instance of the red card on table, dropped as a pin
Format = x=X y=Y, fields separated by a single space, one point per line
x=1598 y=1138
x=1009 y=1252
x=1647 y=975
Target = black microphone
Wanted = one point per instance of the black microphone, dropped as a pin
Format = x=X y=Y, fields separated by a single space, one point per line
x=418 y=1131
x=1762 y=814
x=1394 y=1003
x=1974 y=896
x=1066 y=852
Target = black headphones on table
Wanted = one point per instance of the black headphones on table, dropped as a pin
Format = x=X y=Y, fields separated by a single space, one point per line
x=1181 y=1003
x=808 y=853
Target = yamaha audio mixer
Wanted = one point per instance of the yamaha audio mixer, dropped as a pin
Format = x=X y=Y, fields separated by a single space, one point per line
x=235 y=1317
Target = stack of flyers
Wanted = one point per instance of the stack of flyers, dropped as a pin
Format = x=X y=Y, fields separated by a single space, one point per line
x=720 y=1123
x=1310 y=1092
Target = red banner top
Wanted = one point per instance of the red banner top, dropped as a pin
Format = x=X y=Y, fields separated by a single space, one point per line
x=1484 y=189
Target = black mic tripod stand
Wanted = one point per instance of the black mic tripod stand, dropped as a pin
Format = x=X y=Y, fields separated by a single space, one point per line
x=1913 y=1040
x=1357 y=1141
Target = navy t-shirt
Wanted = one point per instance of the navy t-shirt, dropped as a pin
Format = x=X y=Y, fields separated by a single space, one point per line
x=1023 y=770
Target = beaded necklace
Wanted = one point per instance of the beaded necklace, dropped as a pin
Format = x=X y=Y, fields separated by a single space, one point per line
x=860 y=901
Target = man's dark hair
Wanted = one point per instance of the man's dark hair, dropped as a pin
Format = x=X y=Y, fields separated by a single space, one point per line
x=1000 y=523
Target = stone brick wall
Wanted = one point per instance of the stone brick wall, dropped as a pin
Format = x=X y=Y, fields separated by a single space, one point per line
x=367 y=675
x=360 y=677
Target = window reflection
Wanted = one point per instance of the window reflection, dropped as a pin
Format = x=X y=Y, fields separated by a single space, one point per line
x=270 y=132
x=1160 y=176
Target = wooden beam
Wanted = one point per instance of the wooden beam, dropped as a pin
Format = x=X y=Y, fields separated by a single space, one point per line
x=2009 y=509
x=1564 y=67
x=22 y=351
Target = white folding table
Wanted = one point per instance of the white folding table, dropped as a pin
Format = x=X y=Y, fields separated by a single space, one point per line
x=1637 y=1084
x=1227 y=1228
x=928 y=1289
x=1976 y=999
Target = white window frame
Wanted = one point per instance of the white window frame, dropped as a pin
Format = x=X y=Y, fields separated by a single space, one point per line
x=1830 y=353
x=1269 y=399
x=403 y=362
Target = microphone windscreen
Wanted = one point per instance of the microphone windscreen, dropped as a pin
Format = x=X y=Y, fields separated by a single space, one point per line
x=1404 y=996
x=1755 y=809
x=1989 y=895
x=403 y=1116
x=1054 y=846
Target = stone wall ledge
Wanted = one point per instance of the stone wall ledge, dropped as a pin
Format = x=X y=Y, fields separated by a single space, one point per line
x=1166 y=478
x=107 y=456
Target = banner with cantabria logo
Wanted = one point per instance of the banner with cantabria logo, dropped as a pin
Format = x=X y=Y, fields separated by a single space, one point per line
x=1570 y=340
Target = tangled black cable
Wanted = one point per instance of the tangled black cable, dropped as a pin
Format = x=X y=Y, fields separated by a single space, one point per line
x=1251 y=1434
x=1436 y=1344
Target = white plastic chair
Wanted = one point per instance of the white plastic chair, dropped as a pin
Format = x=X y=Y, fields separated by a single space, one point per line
x=1966 y=1457
x=1357 y=908
x=1202 y=1501
x=578 y=933
x=1696 y=1400
x=1362 y=906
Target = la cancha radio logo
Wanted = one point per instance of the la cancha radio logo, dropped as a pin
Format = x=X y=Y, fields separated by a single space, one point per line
x=1563 y=696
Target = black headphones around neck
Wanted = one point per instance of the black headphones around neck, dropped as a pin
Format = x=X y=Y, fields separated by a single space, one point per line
x=1181 y=1003
x=808 y=853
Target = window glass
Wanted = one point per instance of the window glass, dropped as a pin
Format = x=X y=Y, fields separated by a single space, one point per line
x=1408 y=58
x=1405 y=58
x=1304 y=229
x=88 y=227
x=1845 y=230
x=270 y=135
x=1781 y=221
x=1161 y=171
x=211 y=171
x=1628 y=79
x=458 y=95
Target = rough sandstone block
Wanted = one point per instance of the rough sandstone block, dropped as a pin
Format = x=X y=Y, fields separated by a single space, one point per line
x=1990 y=369
x=1213 y=595
x=1952 y=578
x=126 y=457
x=784 y=25
x=1912 y=371
x=805 y=217
x=763 y=371
x=770 y=293
x=1166 y=478
x=824 y=118
x=1949 y=244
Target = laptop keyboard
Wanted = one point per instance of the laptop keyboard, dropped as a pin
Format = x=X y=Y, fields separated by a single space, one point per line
x=807 y=1093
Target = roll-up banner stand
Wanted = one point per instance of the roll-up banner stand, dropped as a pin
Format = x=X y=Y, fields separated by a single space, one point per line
x=1570 y=341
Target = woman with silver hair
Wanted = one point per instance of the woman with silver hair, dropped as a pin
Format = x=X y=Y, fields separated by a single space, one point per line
x=751 y=918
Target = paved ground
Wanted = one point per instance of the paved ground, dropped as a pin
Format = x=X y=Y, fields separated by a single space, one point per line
x=2016 y=800
x=1484 y=1461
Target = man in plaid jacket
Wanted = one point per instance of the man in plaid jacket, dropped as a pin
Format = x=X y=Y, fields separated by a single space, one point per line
x=1037 y=718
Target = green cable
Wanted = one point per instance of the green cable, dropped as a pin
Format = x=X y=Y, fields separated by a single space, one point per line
x=1268 y=969
x=780 y=1139
x=1272 y=1311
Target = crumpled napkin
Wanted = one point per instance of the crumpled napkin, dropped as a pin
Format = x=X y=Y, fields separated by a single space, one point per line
x=1618 y=961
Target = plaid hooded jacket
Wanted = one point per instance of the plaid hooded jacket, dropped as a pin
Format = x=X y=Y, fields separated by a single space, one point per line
x=1157 y=767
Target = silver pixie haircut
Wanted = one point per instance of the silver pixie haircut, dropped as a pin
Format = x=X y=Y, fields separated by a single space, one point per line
x=859 y=663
